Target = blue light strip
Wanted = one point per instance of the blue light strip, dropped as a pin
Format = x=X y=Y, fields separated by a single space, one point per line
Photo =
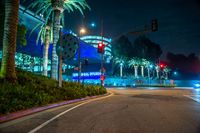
x=87 y=75
x=96 y=38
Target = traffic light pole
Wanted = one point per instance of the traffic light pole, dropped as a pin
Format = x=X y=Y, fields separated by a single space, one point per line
x=102 y=69
x=147 y=29
x=79 y=62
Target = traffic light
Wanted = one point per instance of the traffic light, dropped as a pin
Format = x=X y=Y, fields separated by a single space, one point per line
x=161 y=66
x=154 y=25
x=100 y=48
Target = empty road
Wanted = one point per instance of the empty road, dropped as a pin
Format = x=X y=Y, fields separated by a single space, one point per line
x=126 y=111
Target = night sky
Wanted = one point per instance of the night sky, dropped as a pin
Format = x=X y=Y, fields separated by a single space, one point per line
x=179 y=21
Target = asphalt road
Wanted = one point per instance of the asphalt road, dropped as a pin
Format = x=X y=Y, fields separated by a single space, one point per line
x=127 y=111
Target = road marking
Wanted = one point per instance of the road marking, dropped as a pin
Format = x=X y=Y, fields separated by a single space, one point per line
x=52 y=119
x=194 y=97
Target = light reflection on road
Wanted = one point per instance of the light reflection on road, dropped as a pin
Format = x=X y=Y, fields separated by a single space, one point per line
x=195 y=95
x=189 y=92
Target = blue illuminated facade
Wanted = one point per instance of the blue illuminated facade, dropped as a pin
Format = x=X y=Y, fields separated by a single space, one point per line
x=30 y=20
x=95 y=40
x=33 y=51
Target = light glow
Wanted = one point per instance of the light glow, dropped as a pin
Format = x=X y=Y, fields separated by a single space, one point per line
x=82 y=31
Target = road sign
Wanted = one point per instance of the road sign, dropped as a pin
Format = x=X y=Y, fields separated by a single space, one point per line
x=69 y=46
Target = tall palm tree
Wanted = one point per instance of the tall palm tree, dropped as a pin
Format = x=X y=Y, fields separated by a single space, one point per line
x=121 y=62
x=9 y=40
x=144 y=63
x=135 y=62
x=46 y=36
x=157 y=67
x=166 y=70
x=46 y=39
x=149 y=66
x=56 y=8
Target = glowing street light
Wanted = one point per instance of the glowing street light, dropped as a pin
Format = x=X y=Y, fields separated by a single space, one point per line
x=151 y=66
x=93 y=24
x=175 y=73
x=82 y=31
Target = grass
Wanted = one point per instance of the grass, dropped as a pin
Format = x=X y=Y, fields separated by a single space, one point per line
x=33 y=90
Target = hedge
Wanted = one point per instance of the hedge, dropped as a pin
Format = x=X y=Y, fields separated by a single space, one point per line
x=34 y=90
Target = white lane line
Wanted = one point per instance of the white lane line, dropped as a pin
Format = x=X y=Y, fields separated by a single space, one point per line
x=52 y=119
x=47 y=122
x=194 y=97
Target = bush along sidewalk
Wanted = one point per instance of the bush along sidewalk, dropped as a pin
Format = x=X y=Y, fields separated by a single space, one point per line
x=34 y=91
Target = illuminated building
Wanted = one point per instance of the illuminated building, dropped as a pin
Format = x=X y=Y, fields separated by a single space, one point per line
x=95 y=40
x=30 y=57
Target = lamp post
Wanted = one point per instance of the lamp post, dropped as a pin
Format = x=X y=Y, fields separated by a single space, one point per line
x=81 y=32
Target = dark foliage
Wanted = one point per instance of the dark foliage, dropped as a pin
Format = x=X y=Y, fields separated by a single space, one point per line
x=33 y=90
x=190 y=63
x=122 y=47
x=145 y=48
x=142 y=48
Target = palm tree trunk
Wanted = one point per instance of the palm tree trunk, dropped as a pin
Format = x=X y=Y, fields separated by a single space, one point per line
x=9 y=40
x=166 y=75
x=45 y=52
x=121 y=70
x=56 y=30
x=142 y=71
x=157 y=74
x=136 y=71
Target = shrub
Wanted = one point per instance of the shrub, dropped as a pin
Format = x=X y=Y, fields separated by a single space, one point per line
x=34 y=90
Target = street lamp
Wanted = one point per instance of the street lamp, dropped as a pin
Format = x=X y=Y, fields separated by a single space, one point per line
x=93 y=25
x=81 y=32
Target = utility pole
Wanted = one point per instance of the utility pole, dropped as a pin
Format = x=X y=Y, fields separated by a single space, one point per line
x=81 y=32
x=79 y=62
x=102 y=58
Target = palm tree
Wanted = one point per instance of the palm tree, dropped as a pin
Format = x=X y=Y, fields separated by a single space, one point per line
x=144 y=63
x=121 y=62
x=157 y=71
x=147 y=64
x=135 y=62
x=149 y=67
x=9 y=40
x=46 y=36
x=166 y=70
x=56 y=8
x=46 y=39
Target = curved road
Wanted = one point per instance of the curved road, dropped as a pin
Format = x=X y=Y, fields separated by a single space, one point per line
x=127 y=111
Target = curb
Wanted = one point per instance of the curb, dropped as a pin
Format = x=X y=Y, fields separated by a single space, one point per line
x=19 y=114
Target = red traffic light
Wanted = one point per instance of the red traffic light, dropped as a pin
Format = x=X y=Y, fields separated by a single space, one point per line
x=100 y=48
x=100 y=45
x=161 y=65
